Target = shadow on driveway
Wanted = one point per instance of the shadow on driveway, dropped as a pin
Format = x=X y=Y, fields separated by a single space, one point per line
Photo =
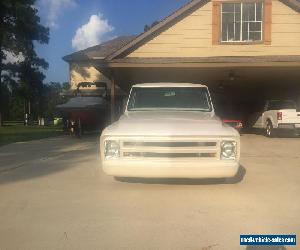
x=266 y=248
x=45 y=157
x=176 y=181
x=278 y=133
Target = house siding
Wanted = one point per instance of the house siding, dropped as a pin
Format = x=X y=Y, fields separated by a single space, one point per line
x=85 y=72
x=192 y=37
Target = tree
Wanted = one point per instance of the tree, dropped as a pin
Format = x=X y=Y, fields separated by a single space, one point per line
x=148 y=27
x=52 y=97
x=19 y=28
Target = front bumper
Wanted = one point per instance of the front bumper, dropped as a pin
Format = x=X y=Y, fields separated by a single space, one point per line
x=170 y=169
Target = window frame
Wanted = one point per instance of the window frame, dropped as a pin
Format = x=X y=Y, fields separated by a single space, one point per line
x=246 y=42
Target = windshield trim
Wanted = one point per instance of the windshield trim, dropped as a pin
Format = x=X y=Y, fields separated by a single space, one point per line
x=209 y=102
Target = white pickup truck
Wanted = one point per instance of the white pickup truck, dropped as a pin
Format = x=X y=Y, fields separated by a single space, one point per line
x=277 y=115
x=170 y=130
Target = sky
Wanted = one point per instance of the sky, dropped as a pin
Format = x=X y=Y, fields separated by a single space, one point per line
x=79 y=24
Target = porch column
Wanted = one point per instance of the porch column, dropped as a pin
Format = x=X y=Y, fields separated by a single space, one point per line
x=112 y=98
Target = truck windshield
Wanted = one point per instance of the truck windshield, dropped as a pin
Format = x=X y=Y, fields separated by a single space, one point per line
x=169 y=98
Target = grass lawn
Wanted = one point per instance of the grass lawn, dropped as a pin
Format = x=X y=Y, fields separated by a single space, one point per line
x=20 y=133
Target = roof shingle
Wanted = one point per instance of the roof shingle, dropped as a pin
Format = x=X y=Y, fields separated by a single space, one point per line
x=99 y=51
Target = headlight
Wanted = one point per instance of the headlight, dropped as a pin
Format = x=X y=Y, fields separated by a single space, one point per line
x=111 y=149
x=228 y=150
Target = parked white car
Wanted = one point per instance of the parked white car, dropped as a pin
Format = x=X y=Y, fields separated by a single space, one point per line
x=277 y=115
x=170 y=130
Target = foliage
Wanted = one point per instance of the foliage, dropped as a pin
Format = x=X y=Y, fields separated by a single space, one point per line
x=19 y=28
x=51 y=98
x=148 y=27
x=44 y=105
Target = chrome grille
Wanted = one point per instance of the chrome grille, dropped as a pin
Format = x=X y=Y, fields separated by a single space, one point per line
x=169 y=144
x=170 y=149
x=167 y=155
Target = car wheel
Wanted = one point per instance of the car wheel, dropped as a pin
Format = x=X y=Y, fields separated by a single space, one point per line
x=269 y=129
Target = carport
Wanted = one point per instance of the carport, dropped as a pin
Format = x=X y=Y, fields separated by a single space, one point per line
x=241 y=81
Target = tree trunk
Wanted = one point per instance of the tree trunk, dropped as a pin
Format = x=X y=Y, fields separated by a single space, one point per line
x=1 y=121
x=1 y=98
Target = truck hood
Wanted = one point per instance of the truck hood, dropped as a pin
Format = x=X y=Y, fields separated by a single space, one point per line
x=152 y=123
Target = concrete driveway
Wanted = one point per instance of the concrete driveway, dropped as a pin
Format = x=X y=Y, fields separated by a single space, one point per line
x=53 y=195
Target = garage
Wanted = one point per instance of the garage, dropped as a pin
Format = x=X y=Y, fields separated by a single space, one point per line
x=194 y=45
x=239 y=86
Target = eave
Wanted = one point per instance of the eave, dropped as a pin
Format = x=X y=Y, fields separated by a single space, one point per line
x=202 y=62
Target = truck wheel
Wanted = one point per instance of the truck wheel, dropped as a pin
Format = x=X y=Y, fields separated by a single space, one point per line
x=269 y=129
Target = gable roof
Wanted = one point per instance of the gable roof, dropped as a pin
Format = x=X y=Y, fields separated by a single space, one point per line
x=294 y=4
x=161 y=26
x=99 y=51
x=173 y=18
x=121 y=46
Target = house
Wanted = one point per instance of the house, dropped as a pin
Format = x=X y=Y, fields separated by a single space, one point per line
x=243 y=50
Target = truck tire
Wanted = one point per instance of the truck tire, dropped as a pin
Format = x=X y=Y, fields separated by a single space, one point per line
x=269 y=129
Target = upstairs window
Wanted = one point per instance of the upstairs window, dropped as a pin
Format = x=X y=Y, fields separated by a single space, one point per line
x=242 y=22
